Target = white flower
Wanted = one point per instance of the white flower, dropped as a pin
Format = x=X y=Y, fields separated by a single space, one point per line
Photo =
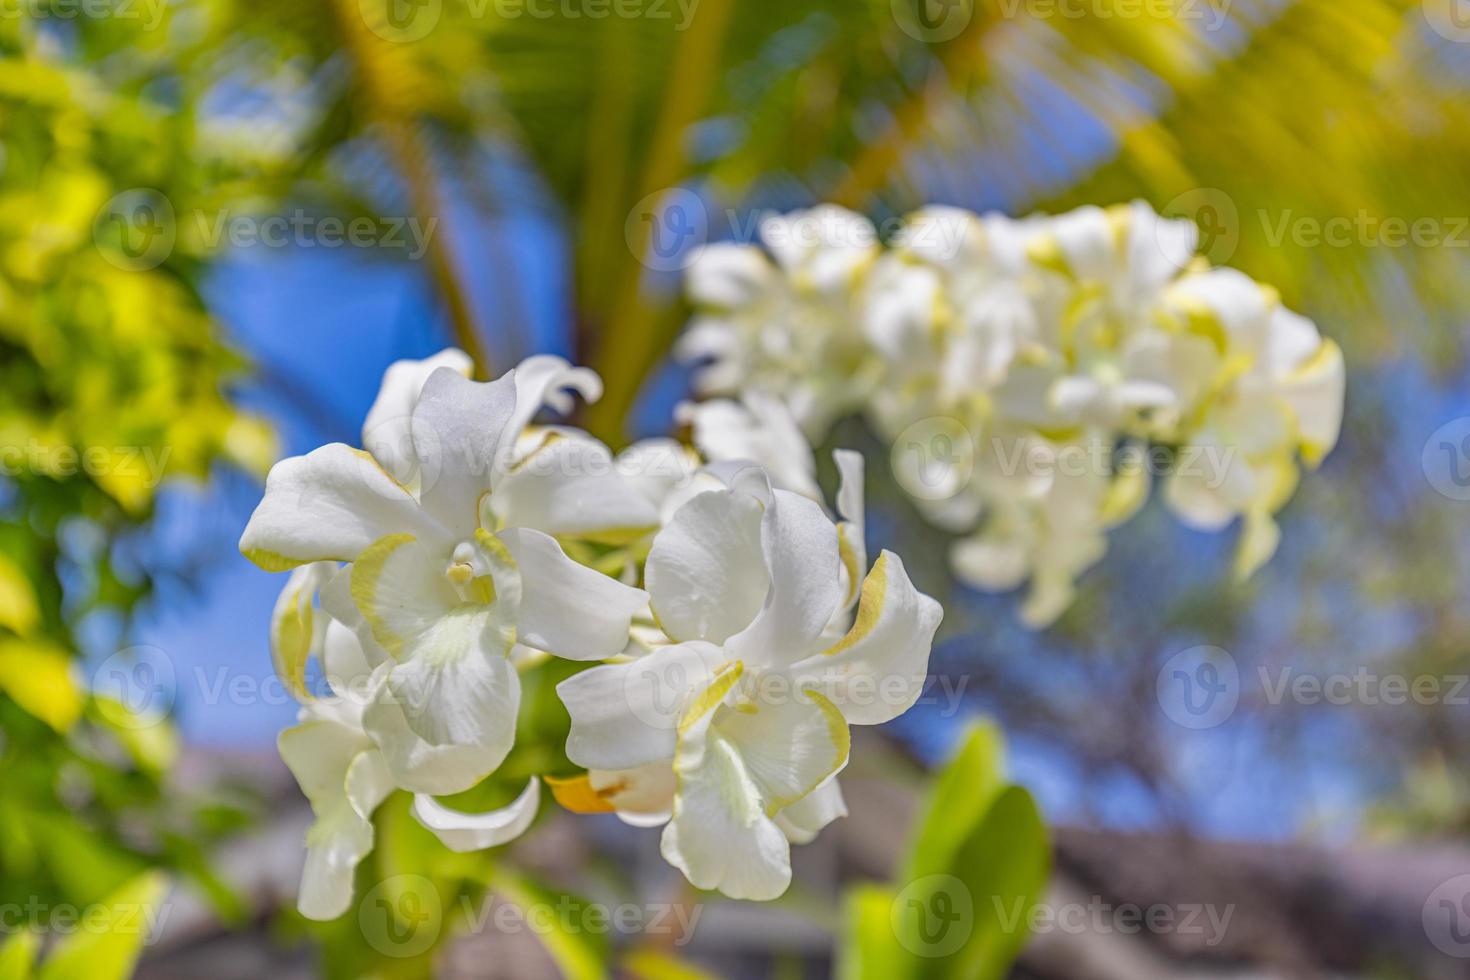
x=788 y=324
x=339 y=765
x=757 y=429
x=750 y=705
x=449 y=571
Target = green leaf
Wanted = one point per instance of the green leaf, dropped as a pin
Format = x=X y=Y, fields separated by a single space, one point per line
x=1005 y=866
x=18 y=955
x=959 y=798
x=112 y=937
x=578 y=952
x=870 y=949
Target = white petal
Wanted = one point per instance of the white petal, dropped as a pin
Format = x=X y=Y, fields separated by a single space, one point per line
x=727 y=276
x=720 y=835
x=852 y=532
x=457 y=425
x=803 y=559
x=547 y=380
x=706 y=574
x=804 y=819
x=789 y=740
x=328 y=506
x=570 y=485
x=399 y=587
x=464 y=832
x=297 y=630
x=642 y=796
x=1315 y=392
x=877 y=672
x=568 y=609
x=446 y=718
x=626 y=715
x=387 y=432
x=760 y=429
x=343 y=777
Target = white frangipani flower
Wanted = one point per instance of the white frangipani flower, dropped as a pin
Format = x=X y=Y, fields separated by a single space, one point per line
x=340 y=766
x=1098 y=329
x=749 y=707
x=447 y=573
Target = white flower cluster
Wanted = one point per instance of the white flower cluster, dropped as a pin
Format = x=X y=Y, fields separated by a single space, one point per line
x=431 y=569
x=1032 y=375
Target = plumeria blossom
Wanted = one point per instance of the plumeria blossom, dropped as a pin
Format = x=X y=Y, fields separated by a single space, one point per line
x=340 y=767
x=431 y=556
x=1043 y=339
x=731 y=734
x=787 y=321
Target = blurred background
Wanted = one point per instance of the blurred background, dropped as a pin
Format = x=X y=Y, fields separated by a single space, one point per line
x=220 y=221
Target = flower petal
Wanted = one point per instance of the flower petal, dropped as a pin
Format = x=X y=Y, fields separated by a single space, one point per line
x=877 y=672
x=345 y=780
x=400 y=588
x=719 y=834
x=706 y=574
x=804 y=819
x=328 y=506
x=799 y=541
x=387 y=432
x=296 y=631
x=464 y=832
x=789 y=740
x=457 y=425
x=446 y=717
x=570 y=485
x=760 y=429
x=626 y=715
x=568 y=609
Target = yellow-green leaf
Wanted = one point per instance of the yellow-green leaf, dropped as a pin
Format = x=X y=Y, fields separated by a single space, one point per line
x=41 y=679
x=109 y=947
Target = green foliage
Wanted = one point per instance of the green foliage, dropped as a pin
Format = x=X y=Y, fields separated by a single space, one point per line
x=112 y=382
x=977 y=863
x=102 y=942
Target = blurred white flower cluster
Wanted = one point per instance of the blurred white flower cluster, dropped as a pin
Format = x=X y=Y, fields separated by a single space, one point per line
x=1034 y=376
x=434 y=567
